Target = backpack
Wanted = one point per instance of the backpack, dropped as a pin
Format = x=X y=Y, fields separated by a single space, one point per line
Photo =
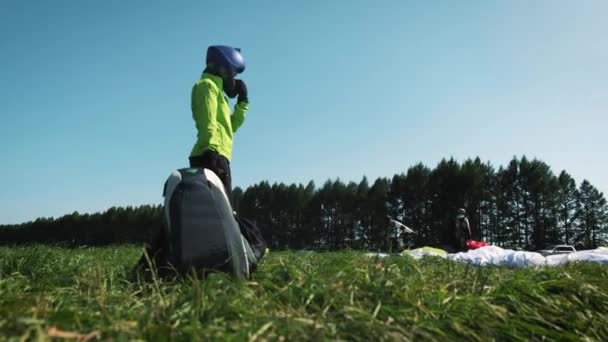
x=200 y=230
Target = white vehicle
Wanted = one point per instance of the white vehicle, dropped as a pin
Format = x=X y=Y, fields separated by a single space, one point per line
x=557 y=249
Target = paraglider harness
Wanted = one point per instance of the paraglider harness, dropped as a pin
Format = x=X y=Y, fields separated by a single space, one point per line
x=200 y=231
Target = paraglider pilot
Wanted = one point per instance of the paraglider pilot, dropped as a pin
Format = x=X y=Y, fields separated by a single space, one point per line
x=215 y=126
x=211 y=111
x=462 y=230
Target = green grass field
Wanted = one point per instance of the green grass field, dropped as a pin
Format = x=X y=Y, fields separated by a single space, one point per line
x=48 y=292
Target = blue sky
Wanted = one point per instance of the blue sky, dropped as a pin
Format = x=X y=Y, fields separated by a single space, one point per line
x=95 y=96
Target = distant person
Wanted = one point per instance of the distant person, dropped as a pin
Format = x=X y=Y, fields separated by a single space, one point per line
x=462 y=231
x=211 y=111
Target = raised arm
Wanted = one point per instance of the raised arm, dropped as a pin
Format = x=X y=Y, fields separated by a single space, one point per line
x=238 y=117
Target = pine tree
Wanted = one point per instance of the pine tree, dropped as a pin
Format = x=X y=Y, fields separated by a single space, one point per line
x=591 y=214
x=446 y=196
x=476 y=178
x=417 y=204
x=567 y=207
x=379 y=223
x=363 y=215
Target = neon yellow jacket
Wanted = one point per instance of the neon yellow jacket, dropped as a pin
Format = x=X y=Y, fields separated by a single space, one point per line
x=211 y=114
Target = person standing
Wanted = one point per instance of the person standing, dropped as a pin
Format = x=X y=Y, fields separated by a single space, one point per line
x=216 y=125
x=214 y=122
x=462 y=231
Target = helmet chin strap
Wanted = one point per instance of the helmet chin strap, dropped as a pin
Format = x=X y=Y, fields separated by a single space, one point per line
x=227 y=78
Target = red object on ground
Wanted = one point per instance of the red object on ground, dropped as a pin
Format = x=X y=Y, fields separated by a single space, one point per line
x=472 y=244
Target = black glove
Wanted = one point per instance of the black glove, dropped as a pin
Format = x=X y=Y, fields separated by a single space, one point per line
x=241 y=89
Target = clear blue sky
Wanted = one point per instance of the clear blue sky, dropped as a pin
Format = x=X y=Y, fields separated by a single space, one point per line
x=95 y=95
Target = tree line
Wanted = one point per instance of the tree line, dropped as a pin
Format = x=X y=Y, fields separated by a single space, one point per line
x=115 y=225
x=523 y=204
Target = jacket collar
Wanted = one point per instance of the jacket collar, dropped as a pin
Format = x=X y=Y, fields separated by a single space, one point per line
x=215 y=79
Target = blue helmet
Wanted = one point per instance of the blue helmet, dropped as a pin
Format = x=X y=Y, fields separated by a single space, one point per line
x=226 y=57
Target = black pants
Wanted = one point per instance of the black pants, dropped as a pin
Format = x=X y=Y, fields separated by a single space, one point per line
x=217 y=163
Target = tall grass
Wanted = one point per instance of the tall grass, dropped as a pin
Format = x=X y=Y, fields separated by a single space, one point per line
x=47 y=291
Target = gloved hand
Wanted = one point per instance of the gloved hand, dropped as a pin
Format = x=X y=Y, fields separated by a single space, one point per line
x=241 y=89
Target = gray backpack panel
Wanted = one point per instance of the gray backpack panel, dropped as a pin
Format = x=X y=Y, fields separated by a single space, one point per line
x=202 y=230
